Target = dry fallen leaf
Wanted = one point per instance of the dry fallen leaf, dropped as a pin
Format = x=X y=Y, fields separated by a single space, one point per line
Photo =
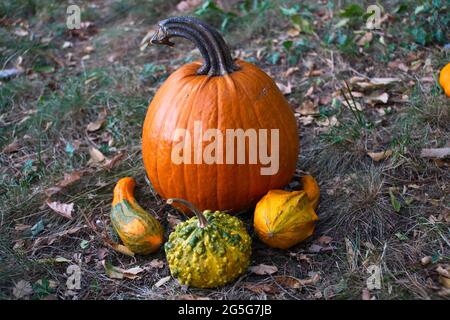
x=117 y=247
x=294 y=283
x=366 y=38
x=307 y=120
x=21 y=32
x=290 y=71
x=173 y=220
x=162 y=281
x=381 y=155
x=285 y=89
x=445 y=281
x=384 y=81
x=425 y=260
x=403 y=67
x=112 y=271
x=95 y=125
x=12 y=147
x=293 y=32
x=315 y=248
x=263 y=269
x=122 y=249
x=260 y=287
x=64 y=209
x=310 y=91
x=445 y=272
x=70 y=178
x=354 y=104
x=96 y=155
x=324 y=240
x=112 y=57
x=119 y=273
x=444 y=276
x=188 y=5
x=327 y=121
x=288 y=282
x=377 y=98
x=435 y=153
x=365 y=294
x=315 y=73
x=374 y=83
x=18 y=244
x=444 y=293
x=155 y=264
x=111 y=163
x=67 y=44
x=307 y=108
x=88 y=49
x=22 y=289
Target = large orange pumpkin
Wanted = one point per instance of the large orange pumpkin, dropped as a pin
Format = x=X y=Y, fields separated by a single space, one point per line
x=221 y=94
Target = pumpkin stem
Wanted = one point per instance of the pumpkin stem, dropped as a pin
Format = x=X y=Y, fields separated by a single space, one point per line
x=202 y=222
x=208 y=40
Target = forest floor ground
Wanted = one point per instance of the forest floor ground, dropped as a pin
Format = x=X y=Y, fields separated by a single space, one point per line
x=70 y=127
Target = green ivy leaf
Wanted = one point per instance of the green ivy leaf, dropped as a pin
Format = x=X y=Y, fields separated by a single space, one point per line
x=301 y=24
x=37 y=228
x=70 y=149
x=28 y=166
x=419 y=9
x=84 y=244
x=394 y=201
x=342 y=40
x=437 y=4
x=288 y=44
x=208 y=6
x=353 y=11
x=420 y=35
x=439 y=35
x=402 y=8
x=289 y=11
x=274 y=57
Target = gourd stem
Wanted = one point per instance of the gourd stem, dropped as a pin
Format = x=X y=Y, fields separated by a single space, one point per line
x=188 y=34
x=202 y=222
x=212 y=46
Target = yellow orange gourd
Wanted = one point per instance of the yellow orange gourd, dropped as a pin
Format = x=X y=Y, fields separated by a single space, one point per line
x=283 y=219
x=444 y=79
x=219 y=94
x=138 y=230
x=310 y=186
